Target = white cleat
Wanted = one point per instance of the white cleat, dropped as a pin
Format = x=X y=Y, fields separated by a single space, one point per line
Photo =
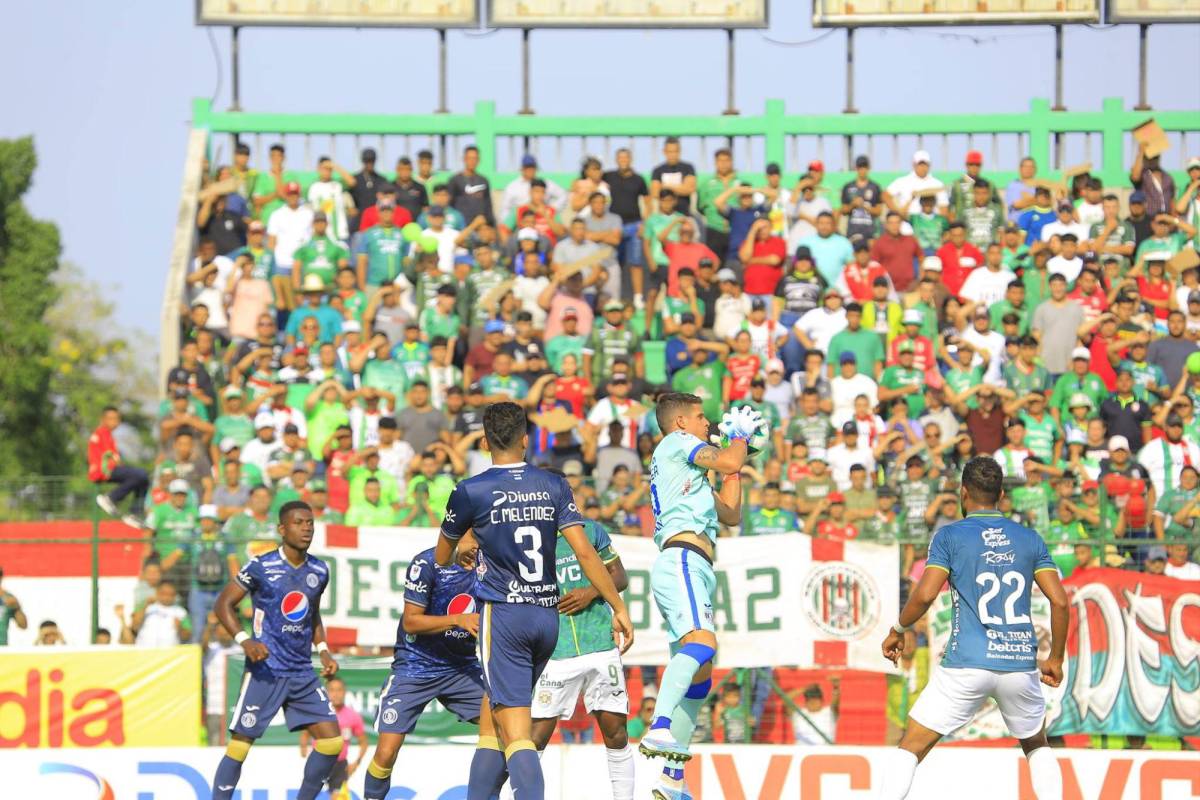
x=134 y=521
x=661 y=744
x=106 y=504
x=667 y=793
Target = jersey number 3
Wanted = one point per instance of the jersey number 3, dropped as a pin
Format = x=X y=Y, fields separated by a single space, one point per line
x=533 y=570
x=991 y=584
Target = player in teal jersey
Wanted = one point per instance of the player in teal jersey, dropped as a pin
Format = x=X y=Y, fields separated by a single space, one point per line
x=991 y=563
x=687 y=511
x=586 y=660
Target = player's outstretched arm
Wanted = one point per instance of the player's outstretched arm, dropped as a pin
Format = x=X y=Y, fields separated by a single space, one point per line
x=226 y=611
x=1060 y=615
x=919 y=601
x=597 y=575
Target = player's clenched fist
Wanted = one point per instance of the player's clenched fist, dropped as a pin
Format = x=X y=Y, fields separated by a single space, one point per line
x=255 y=650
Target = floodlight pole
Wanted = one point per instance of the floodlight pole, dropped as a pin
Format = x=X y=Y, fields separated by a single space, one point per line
x=525 y=107
x=849 y=109
x=1143 y=47
x=730 y=74
x=442 y=107
x=235 y=72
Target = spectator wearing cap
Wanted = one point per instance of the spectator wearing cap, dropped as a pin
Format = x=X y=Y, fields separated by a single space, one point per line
x=385 y=208
x=756 y=399
x=173 y=525
x=901 y=195
x=682 y=251
x=859 y=275
x=814 y=487
x=976 y=327
x=924 y=358
x=380 y=251
x=1063 y=223
x=288 y=227
x=1056 y=324
x=767 y=336
x=897 y=251
x=904 y=381
x=862 y=202
x=1129 y=490
x=321 y=255
x=315 y=306
x=962 y=191
x=270 y=187
x=779 y=209
x=481 y=358
x=831 y=251
x=518 y=192
x=1165 y=457
x=1079 y=382
x=213 y=564
x=616 y=406
x=235 y=419
x=1154 y=182
x=470 y=192
x=749 y=221
x=723 y=183
x=104 y=466
x=260 y=451
x=852 y=450
x=613 y=339
x=958 y=256
x=809 y=205
x=1188 y=204
x=732 y=309
x=439 y=196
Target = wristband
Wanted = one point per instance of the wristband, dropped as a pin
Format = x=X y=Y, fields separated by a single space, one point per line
x=240 y=637
x=898 y=628
x=322 y=647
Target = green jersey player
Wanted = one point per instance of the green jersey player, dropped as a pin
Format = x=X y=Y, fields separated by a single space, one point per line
x=586 y=660
x=687 y=511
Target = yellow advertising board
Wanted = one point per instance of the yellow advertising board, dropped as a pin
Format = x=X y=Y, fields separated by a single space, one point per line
x=100 y=697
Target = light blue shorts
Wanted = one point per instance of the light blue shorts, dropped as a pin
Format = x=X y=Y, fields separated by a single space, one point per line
x=683 y=583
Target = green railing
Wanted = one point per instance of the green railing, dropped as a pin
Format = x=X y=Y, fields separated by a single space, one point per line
x=41 y=498
x=1037 y=131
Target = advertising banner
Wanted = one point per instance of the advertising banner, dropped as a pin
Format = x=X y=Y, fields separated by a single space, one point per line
x=100 y=697
x=1133 y=657
x=580 y=772
x=627 y=14
x=330 y=13
x=364 y=677
x=780 y=600
x=865 y=13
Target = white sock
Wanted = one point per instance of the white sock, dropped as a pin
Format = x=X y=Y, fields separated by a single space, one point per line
x=1045 y=774
x=620 y=772
x=899 y=779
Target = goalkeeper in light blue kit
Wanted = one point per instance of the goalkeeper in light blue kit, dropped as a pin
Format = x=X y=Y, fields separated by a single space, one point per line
x=687 y=511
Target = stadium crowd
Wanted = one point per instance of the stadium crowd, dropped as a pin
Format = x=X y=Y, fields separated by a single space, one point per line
x=342 y=333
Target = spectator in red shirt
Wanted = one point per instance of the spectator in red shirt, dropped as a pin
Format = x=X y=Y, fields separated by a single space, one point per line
x=958 y=257
x=1089 y=294
x=741 y=367
x=370 y=216
x=828 y=519
x=545 y=217
x=898 y=253
x=480 y=357
x=687 y=252
x=104 y=466
x=923 y=356
x=763 y=255
x=859 y=275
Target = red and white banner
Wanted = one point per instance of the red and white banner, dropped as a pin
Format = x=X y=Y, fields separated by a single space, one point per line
x=735 y=772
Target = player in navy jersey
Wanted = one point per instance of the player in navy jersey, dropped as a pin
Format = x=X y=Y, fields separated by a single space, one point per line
x=516 y=512
x=435 y=657
x=991 y=563
x=285 y=588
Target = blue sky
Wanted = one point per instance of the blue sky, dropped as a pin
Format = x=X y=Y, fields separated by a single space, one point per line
x=107 y=91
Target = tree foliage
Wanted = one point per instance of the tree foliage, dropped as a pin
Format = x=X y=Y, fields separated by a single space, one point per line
x=62 y=357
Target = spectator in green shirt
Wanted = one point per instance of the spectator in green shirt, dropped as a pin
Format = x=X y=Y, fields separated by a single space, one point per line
x=716 y=224
x=174 y=524
x=370 y=508
x=769 y=517
x=704 y=380
x=1080 y=380
x=1013 y=303
x=320 y=255
x=428 y=493
x=867 y=346
x=318 y=498
x=903 y=380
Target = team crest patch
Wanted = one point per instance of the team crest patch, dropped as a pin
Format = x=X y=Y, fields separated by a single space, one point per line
x=312 y=580
x=842 y=600
x=543 y=698
x=390 y=716
x=248 y=719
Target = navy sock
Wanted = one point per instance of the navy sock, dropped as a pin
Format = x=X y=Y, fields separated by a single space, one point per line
x=226 y=779
x=376 y=788
x=674 y=773
x=526 y=772
x=316 y=772
x=488 y=773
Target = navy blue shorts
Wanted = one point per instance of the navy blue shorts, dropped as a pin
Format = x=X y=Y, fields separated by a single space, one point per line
x=516 y=641
x=404 y=698
x=302 y=698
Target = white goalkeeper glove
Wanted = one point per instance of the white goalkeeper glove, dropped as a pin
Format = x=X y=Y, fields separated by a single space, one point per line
x=741 y=423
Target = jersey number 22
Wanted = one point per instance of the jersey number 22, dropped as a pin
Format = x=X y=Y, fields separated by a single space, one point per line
x=991 y=584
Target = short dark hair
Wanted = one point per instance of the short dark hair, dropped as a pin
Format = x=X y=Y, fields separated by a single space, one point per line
x=671 y=404
x=277 y=148
x=983 y=479
x=293 y=505
x=504 y=424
